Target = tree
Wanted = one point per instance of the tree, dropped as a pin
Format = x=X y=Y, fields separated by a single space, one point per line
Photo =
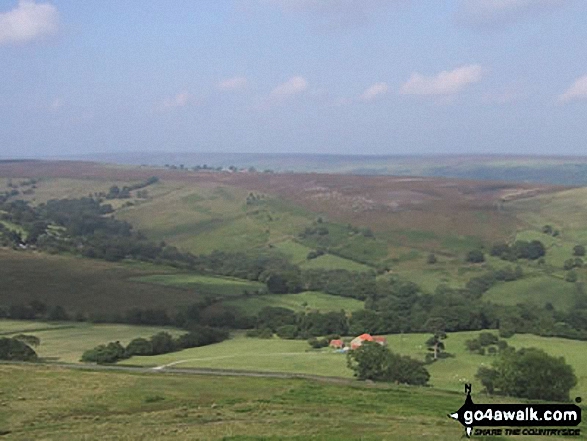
x=529 y=373
x=435 y=343
x=475 y=256
x=579 y=250
x=431 y=259
x=139 y=346
x=30 y=340
x=371 y=361
x=571 y=277
x=162 y=343
x=13 y=349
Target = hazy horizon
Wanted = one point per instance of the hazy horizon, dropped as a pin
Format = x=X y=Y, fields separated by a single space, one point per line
x=396 y=77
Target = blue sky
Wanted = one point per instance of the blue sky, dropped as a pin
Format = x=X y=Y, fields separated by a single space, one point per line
x=307 y=76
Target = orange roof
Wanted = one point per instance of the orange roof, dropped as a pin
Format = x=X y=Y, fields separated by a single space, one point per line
x=365 y=337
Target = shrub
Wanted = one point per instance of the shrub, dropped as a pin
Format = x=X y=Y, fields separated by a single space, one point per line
x=13 y=349
x=529 y=373
x=579 y=250
x=475 y=256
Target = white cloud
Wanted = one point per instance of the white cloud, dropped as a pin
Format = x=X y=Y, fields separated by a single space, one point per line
x=28 y=21
x=444 y=83
x=577 y=91
x=179 y=100
x=491 y=13
x=235 y=83
x=291 y=87
x=374 y=91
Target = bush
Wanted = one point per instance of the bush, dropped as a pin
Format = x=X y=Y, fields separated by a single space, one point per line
x=431 y=259
x=139 y=346
x=475 y=256
x=571 y=277
x=105 y=354
x=288 y=332
x=16 y=350
x=318 y=343
x=529 y=373
x=372 y=361
x=579 y=250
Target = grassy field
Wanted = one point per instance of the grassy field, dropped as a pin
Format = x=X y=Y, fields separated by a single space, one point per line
x=296 y=356
x=65 y=342
x=220 y=286
x=54 y=404
x=304 y=301
x=534 y=290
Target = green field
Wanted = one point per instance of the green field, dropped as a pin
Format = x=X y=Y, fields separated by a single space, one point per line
x=55 y=404
x=534 y=290
x=204 y=218
x=278 y=355
x=298 y=254
x=66 y=342
x=304 y=301
x=221 y=286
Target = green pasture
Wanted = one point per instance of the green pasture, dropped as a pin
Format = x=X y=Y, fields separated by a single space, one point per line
x=298 y=255
x=278 y=355
x=66 y=342
x=48 y=403
x=221 y=286
x=305 y=301
x=14 y=227
x=203 y=218
x=534 y=290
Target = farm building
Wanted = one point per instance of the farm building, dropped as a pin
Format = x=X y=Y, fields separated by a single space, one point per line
x=358 y=341
x=336 y=344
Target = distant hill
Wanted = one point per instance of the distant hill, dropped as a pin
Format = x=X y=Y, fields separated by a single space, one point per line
x=540 y=169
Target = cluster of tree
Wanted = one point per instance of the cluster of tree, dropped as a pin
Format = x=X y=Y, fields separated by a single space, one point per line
x=269 y=267
x=529 y=373
x=254 y=199
x=477 y=286
x=340 y=282
x=289 y=324
x=486 y=343
x=34 y=310
x=314 y=254
x=570 y=264
x=16 y=349
x=475 y=256
x=115 y=192
x=160 y=343
x=520 y=249
x=547 y=229
x=371 y=361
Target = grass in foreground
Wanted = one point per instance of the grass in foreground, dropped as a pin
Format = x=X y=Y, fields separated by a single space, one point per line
x=55 y=404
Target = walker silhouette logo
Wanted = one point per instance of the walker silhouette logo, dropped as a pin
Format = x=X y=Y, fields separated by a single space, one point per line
x=529 y=416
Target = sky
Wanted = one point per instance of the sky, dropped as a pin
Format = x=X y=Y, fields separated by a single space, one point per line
x=294 y=76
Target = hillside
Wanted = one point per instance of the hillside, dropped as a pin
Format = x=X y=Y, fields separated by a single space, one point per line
x=372 y=222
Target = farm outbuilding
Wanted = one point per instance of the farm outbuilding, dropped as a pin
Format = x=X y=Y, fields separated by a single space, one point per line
x=336 y=344
x=358 y=341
